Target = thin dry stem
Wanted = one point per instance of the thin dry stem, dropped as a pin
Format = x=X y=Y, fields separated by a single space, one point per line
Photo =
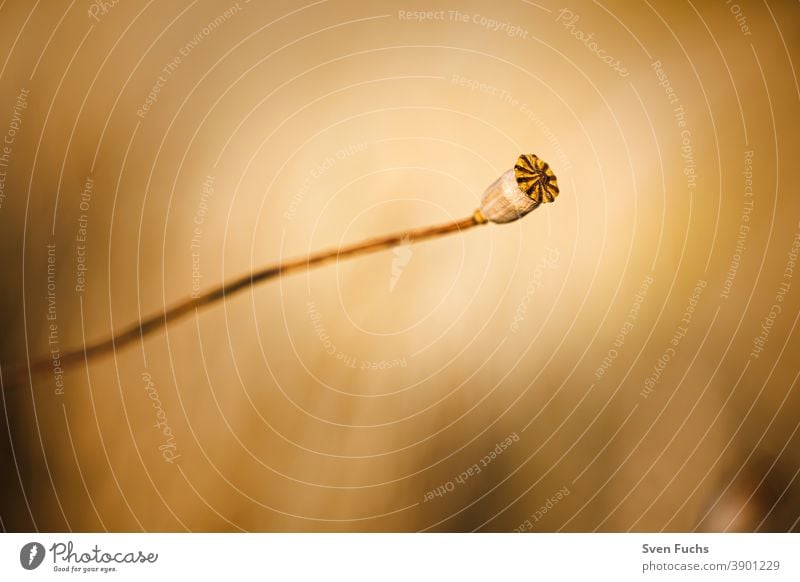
x=155 y=322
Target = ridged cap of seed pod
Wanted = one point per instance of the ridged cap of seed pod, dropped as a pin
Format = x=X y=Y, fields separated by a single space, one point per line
x=535 y=178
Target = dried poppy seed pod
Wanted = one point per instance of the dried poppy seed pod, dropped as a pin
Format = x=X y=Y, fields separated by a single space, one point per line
x=519 y=191
x=513 y=195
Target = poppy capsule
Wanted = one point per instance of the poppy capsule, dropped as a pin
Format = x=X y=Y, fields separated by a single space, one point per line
x=520 y=190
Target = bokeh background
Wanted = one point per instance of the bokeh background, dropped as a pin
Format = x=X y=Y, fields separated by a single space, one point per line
x=623 y=359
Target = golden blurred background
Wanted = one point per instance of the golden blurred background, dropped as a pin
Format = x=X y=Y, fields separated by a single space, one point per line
x=623 y=359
